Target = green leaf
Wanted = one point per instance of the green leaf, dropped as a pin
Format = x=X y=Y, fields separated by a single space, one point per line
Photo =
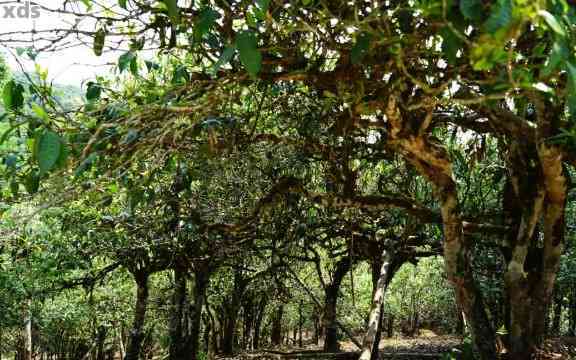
x=40 y=112
x=99 y=40
x=558 y=55
x=125 y=60
x=93 y=91
x=224 y=59
x=134 y=66
x=181 y=75
x=48 y=150
x=360 y=49
x=13 y=95
x=552 y=22
x=500 y=16
x=472 y=9
x=247 y=45
x=122 y=3
x=206 y=20
x=151 y=65
x=450 y=44
x=173 y=10
x=571 y=68
x=263 y=4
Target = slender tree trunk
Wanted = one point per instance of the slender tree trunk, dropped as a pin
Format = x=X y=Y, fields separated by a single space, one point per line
x=201 y=281
x=258 y=322
x=177 y=349
x=119 y=337
x=300 y=323
x=248 y=323
x=276 y=332
x=137 y=331
x=27 y=331
x=372 y=337
x=330 y=306
x=101 y=334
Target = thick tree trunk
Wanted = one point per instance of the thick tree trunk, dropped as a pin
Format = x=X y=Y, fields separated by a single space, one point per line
x=531 y=273
x=331 y=293
x=372 y=337
x=276 y=331
x=137 y=331
x=433 y=162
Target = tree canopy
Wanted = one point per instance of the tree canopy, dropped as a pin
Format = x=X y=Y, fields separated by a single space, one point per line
x=256 y=158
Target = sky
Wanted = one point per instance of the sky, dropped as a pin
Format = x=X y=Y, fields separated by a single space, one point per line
x=72 y=66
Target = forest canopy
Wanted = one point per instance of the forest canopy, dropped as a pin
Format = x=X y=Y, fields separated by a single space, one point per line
x=254 y=173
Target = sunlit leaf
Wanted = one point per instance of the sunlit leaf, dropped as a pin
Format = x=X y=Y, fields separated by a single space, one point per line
x=48 y=150
x=552 y=22
x=13 y=95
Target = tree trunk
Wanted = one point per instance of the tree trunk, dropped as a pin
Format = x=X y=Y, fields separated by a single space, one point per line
x=201 y=281
x=177 y=349
x=101 y=334
x=372 y=338
x=331 y=293
x=258 y=321
x=231 y=312
x=300 y=323
x=276 y=332
x=248 y=323
x=531 y=273
x=433 y=162
x=137 y=331
x=27 y=331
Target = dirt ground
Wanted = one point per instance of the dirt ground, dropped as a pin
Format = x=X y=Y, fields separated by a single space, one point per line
x=426 y=346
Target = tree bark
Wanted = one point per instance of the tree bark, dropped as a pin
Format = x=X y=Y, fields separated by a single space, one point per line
x=258 y=321
x=100 y=353
x=372 y=338
x=177 y=349
x=276 y=331
x=231 y=312
x=27 y=331
x=331 y=293
x=201 y=281
x=300 y=323
x=137 y=331
x=433 y=162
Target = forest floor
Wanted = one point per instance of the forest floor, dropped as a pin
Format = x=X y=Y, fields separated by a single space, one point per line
x=426 y=346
